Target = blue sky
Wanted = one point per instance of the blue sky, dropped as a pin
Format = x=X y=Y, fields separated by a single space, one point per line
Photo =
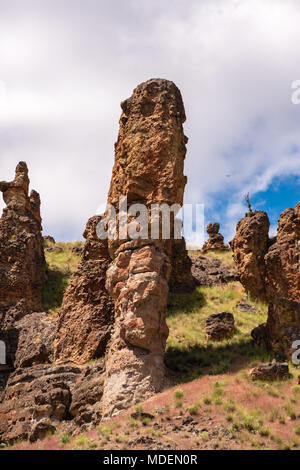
x=65 y=66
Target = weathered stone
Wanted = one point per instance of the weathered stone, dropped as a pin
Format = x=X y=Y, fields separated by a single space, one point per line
x=246 y=307
x=181 y=278
x=208 y=271
x=283 y=326
x=35 y=333
x=33 y=394
x=86 y=316
x=86 y=399
x=215 y=241
x=41 y=429
x=219 y=326
x=148 y=169
x=282 y=260
x=271 y=371
x=250 y=246
x=270 y=270
x=22 y=262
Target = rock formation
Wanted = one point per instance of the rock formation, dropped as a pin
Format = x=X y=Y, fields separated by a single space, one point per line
x=209 y=271
x=22 y=262
x=148 y=169
x=215 y=241
x=272 y=371
x=86 y=316
x=181 y=278
x=269 y=269
x=219 y=326
x=250 y=246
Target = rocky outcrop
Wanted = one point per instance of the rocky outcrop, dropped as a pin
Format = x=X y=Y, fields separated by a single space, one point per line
x=208 y=271
x=22 y=261
x=219 y=326
x=35 y=394
x=86 y=317
x=215 y=241
x=181 y=278
x=85 y=408
x=282 y=261
x=250 y=246
x=148 y=169
x=269 y=269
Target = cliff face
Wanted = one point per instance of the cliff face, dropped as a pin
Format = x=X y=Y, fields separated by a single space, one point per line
x=270 y=270
x=22 y=261
x=148 y=169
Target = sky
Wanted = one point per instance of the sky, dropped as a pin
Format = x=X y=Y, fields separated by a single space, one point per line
x=65 y=66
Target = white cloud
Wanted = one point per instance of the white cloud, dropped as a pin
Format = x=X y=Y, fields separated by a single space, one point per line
x=66 y=69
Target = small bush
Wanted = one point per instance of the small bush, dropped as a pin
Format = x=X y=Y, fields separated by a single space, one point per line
x=178 y=394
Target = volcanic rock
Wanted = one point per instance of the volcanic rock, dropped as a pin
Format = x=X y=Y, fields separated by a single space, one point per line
x=219 y=326
x=181 y=278
x=33 y=394
x=269 y=269
x=86 y=316
x=86 y=398
x=22 y=261
x=208 y=271
x=250 y=246
x=148 y=169
x=272 y=371
x=215 y=241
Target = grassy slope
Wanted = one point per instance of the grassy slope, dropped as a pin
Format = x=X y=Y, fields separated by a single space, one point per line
x=231 y=411
x=60 y=266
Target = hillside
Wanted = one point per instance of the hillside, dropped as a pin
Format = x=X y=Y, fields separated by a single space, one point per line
x=213 y=403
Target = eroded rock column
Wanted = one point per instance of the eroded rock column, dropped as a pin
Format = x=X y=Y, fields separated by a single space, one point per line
x=270 y=270
x=86 y=317
x=148 y=169
x=250 y=246
x=22 y=261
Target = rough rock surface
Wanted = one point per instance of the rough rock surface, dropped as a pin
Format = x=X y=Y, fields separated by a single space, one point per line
x=181 y=278
x=271 y=371
x=282 y=260
x=215 y=241
x=35 y=335
x=283 y=326
x=250 y=246
x=148 y=169
x=33 y=394
x=208 y=271
x=219 y=326
x=86 y=398
x=22 y=261
x=269 y=269
x=86 y=317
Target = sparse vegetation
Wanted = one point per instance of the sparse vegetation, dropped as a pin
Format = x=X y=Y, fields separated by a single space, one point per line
x=60 y=266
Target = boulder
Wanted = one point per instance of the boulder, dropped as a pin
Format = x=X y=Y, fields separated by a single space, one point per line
x=219 y=326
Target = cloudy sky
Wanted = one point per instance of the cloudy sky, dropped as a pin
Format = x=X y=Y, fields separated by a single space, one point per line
x=65 y=65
